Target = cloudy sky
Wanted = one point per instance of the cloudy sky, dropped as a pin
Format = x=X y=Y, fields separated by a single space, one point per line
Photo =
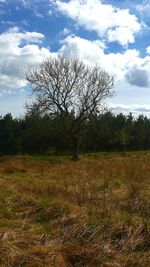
x=115 y=34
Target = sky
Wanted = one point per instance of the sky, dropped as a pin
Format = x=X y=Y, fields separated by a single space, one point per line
x=114 y=34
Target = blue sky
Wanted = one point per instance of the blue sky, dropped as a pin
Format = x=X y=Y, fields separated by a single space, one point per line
x=114 y=34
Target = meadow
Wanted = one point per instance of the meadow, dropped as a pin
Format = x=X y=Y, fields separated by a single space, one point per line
x=91 y=213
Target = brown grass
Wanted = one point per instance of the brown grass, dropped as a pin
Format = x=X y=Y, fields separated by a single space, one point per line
x=92 y=213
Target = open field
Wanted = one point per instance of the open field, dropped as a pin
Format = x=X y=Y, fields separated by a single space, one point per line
x=92 y=213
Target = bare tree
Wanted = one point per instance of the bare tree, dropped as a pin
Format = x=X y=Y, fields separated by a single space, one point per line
x=71 y=89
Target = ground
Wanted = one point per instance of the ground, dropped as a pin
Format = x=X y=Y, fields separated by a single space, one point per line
x=90 y=213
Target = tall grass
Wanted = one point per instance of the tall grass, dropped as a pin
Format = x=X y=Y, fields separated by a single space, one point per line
x=90 y=213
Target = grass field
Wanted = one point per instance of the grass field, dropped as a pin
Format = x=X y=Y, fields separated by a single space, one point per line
x=92 y=213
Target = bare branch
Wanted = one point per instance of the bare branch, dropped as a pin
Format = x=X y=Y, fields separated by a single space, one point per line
x=69 y=88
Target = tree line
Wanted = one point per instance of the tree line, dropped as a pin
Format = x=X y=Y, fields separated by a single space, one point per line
x=66 y=113
x=38 y=134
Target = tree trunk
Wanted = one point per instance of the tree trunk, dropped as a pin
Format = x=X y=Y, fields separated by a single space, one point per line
x=75 y=152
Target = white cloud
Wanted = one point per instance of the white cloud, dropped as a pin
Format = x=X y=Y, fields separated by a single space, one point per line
x=114 y=23
x=136 y=109
x=127 y=65
x=76 y=47
x=144 y=7
x=148 y=50
x=138 y=76
x=122 y=35
x=17 y=51
x=21 y=49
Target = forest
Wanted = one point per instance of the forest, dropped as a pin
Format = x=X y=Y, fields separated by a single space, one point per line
x=37 y=134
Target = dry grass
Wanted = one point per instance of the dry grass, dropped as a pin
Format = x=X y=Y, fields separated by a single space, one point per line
x=92 y=213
